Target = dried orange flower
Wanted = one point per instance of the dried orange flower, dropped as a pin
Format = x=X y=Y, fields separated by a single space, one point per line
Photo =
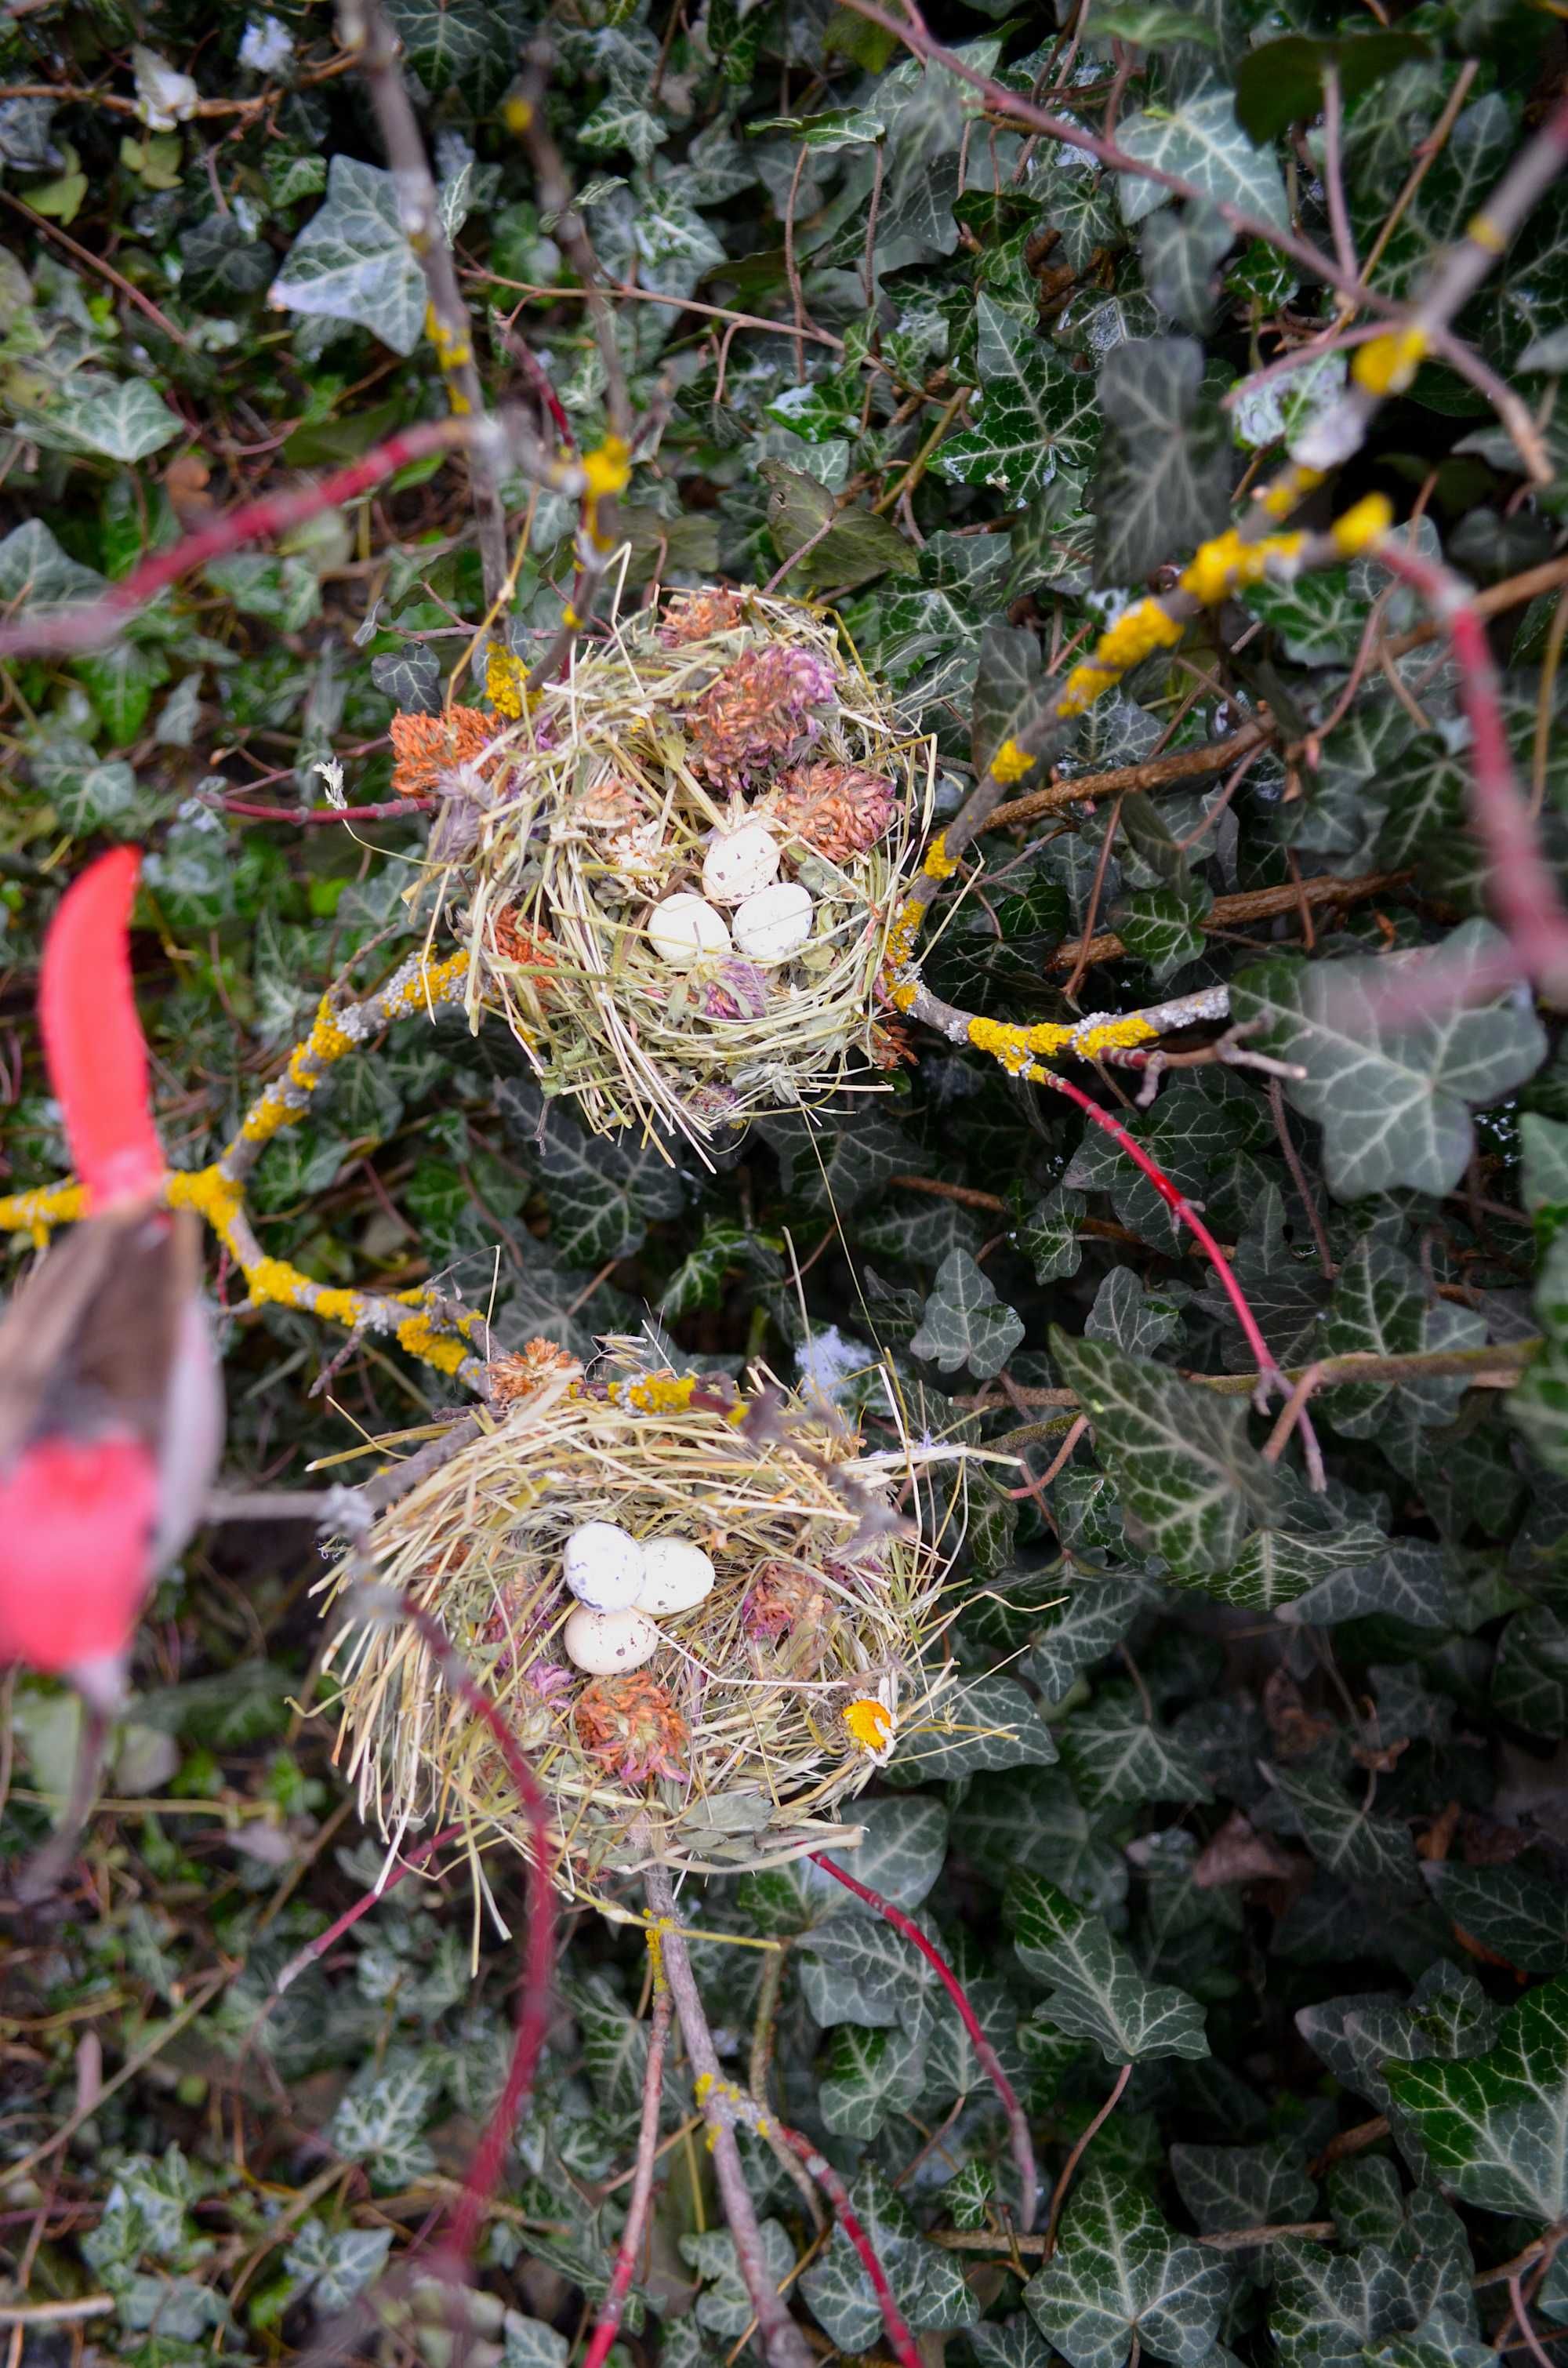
x=840 y=810
x=517 y=941
x=781 y=1598
x=521 y=1371
x=630 y=1726
x=760 y=712
x=890 y=1045
x=695 y=615
x=428 y=746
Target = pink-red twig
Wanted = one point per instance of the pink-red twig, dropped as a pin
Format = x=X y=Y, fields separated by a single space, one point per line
x=1524 y=894
x=83 y=628
x=318 y=1948
x=607 y=2322
x=906 y=2350
x=1017 y=2121
x=539 y=1947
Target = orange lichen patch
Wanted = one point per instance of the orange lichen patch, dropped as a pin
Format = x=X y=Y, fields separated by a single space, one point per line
x=523 y=1371
x=517 y=941
x=695 y=615
x=841 y=810
x=630 y=1726
x=426 y=746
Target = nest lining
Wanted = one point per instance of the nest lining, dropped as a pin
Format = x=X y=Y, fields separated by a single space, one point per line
x=825 y=1597
x=601 y=803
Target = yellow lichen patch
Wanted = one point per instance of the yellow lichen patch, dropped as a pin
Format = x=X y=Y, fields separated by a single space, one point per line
x=607 y=468
x=517 y=115
x=418 y=1335
x=661 y=1393
x=1018 y=1048
x=1011 y=763
x=1362 y=526
x=904 y=994
x=1291 y=487
x=869 y=1722
x=905 y=930
x=1388 y=364
x=1228 y=565
x=938 y=863
x=1482 y=231
x=1112 y=1035
x=214 y=1195
x=1145 y=627
x=505 y=681
x=35 y=1213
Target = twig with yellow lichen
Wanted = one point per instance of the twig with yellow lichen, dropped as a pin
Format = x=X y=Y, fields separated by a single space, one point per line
x=364 y=31
x=424 y=1321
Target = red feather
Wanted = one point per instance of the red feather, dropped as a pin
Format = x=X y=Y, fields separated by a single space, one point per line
x=76 y=1520
x=92 y=1037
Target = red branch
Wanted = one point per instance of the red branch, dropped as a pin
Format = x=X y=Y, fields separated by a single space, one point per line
x=312 y=817
x=1524 y=894
x=362 y=1907
x=539 y=1950
x=1017 y=2121
x=274 y=513
x=607 y=2324
x=906 y=2350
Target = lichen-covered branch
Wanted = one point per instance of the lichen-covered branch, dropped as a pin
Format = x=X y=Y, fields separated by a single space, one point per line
x=429 y=1324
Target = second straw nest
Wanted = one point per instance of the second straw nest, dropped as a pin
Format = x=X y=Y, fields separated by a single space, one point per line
x=678 y=864
x=751 y=1714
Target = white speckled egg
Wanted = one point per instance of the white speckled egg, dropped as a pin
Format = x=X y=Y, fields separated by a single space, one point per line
x=684 y=931
x=606 y=1642
x=740 y=864
x=675 y=1575
x=771 y=926
x=604 y=1567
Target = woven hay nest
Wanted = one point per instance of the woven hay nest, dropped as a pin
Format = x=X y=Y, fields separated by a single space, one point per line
x=602 y=800
x=735 y=1746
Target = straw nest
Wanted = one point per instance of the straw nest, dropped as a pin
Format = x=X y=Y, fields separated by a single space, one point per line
x=561 y=833
x=764 y=1709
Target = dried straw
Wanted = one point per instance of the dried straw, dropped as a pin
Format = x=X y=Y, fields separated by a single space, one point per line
x=599 y=804
x=793 y=1515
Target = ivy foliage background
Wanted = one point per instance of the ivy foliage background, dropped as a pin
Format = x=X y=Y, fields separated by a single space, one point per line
x=1262 y=1825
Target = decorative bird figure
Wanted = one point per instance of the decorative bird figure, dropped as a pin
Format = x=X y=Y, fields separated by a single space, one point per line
x=111 y=1414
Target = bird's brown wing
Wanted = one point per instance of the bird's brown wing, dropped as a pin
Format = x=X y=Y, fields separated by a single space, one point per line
x=89 y=1340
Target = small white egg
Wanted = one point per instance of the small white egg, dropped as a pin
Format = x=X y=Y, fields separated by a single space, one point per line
x=606 y=1642
x=773 y=925
x=675 y=1575
x=604 y=1567
x=740 y=864
x=684 y=931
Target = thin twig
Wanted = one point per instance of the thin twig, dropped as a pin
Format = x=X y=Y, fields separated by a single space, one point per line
x=1059 y=2193
x=990 y=2062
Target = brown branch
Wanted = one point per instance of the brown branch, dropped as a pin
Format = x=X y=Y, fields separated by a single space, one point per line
x=1250 y=905
x=783 y=2344
x=91 y=262
x=366 y=34
x=1497 y=1367
x=1059 y=2193
x=1158 y=773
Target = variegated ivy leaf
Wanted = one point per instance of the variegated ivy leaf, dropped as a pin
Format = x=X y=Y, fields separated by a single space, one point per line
x=619 y=126
x=615 y=2042
x=724 y=2306
x=1521 y=1915
x=858 y=1969
x=1162 y=484
x=1353 y=1841
x=1010 y=692
x=1494 y=2128
x=1163 y=928
x=121 y=423
x=900 y=1857
x=965 y=1323
x=1407 y=1580
x=977 y=1725
x=1243 y=2185
x=1201 y=141
x=1033 y=417
x=1130 y=1316
x=868 y=2075
x=1328 y=2308
x=1035 y=1822
x=1530 y=1677
x=929 y=2284
x=1118 y=1756
x=1121 y=2276
x=1047 y=1236
x=602 y=1193
x=1180 y=1457
x=333 y=2265
x=1096 y=1990
x=353 y=260
x=532 y=2343
x=382 y=2119
x=1092 y=1620
x=1392 y=1097
x=34 y=571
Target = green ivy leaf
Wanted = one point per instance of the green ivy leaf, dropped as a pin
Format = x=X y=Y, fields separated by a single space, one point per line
x=1201 y=141
x=1121 y=2276
x=353 y=261
x=1162 y=483
x=1097 y=1991
x=965 y=1323
x=1495 y=2128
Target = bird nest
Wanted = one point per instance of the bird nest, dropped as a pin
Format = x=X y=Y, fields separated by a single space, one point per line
x=567 y=835
x=764 y=1709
